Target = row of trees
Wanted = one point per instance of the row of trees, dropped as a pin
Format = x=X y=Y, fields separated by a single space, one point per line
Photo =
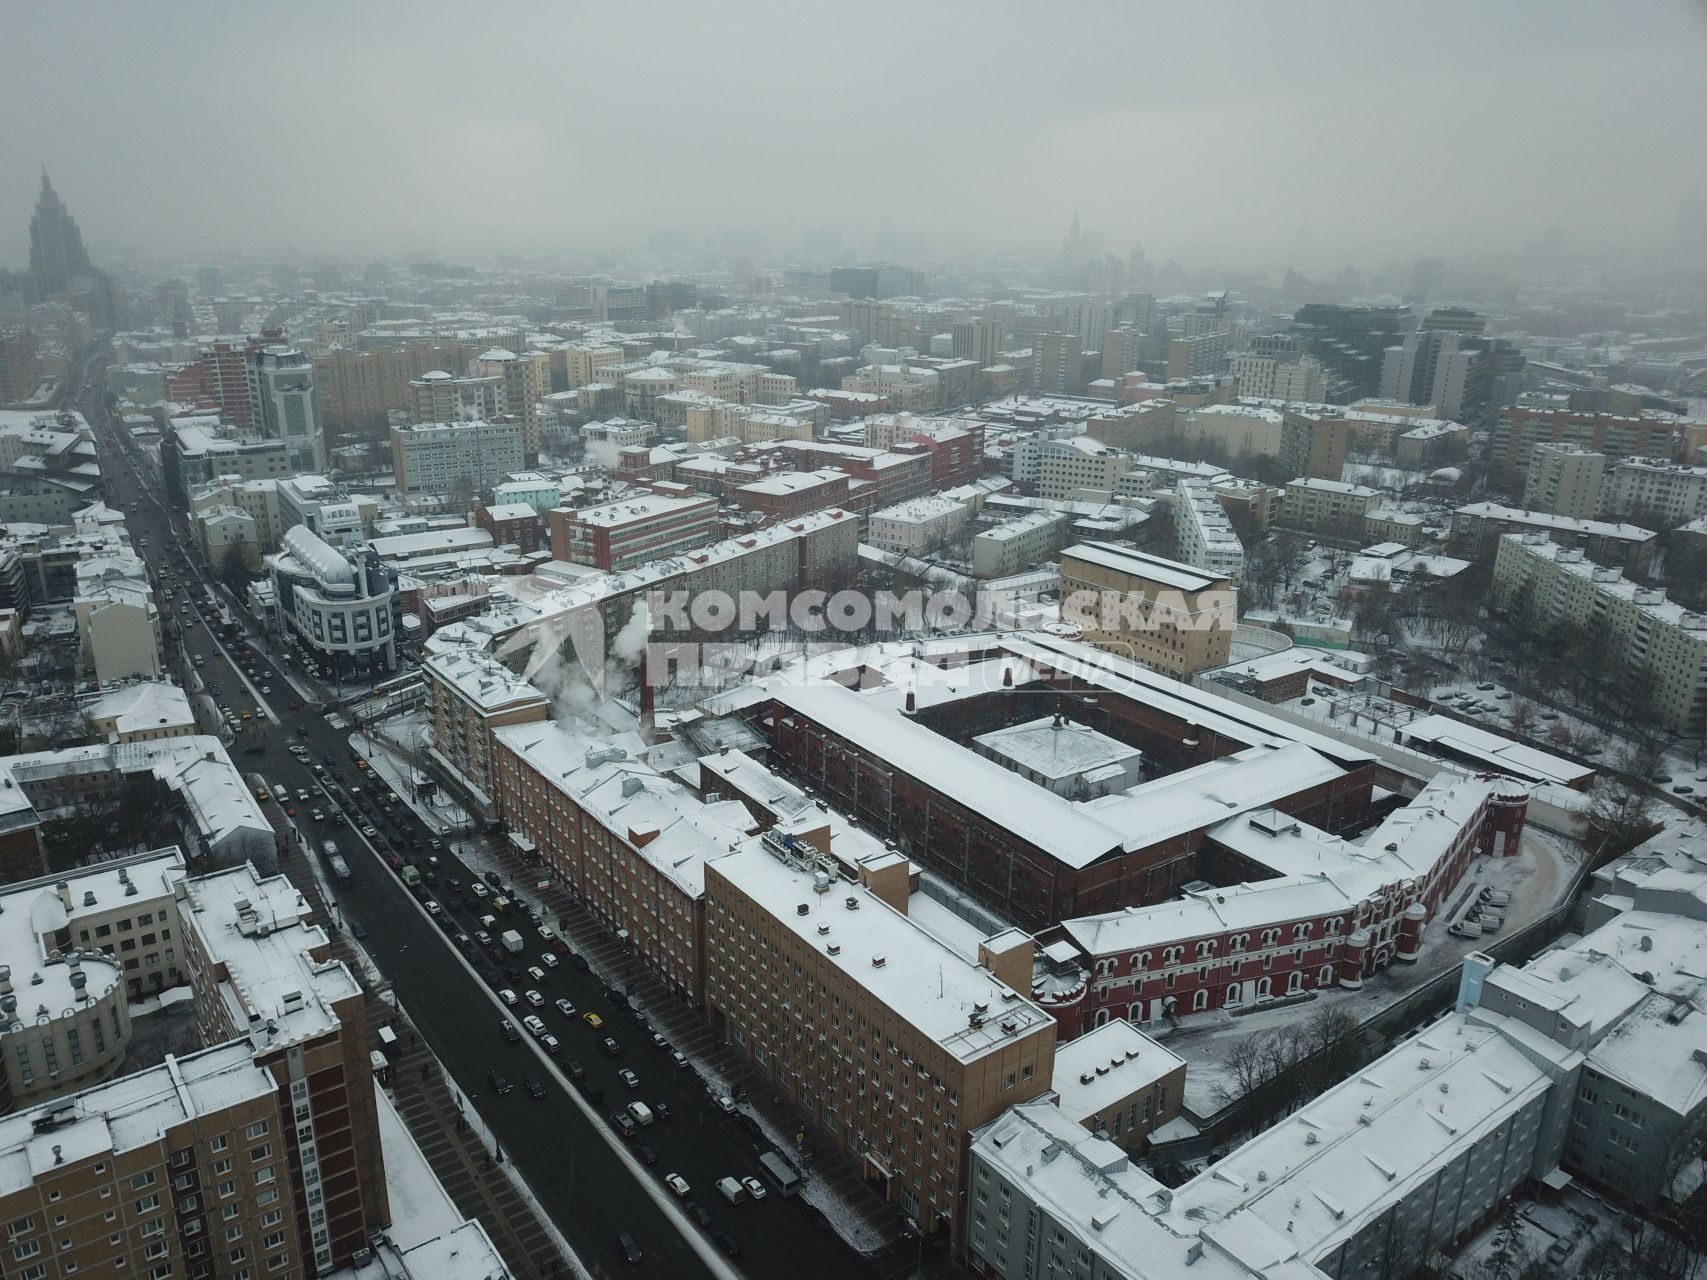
x=1286 y=1066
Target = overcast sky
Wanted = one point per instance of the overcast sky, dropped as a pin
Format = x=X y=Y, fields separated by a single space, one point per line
x=1199 y=128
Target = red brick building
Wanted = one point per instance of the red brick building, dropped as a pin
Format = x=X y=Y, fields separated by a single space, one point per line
x=1034 y=856
x=787 y=494
x=629 y=843
x=1308 y=912
x=899 y=476
x=511 y=524
x=632 y=531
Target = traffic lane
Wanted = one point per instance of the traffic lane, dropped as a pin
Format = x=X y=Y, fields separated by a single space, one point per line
x=692 y=1143
x=593 y=1204
x=698 y=1142
x=688 y=1154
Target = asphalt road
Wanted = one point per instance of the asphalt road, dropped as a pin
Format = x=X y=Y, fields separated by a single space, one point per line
x=588 y=1189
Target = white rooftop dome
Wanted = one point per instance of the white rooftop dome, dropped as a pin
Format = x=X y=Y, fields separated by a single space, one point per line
x=325 y=562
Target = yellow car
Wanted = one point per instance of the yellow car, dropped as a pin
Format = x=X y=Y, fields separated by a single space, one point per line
x=593 y=1020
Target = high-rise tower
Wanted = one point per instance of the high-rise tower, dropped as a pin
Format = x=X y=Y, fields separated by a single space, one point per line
x=57 y=254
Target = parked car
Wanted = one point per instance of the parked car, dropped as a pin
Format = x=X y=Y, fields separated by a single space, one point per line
x=675 y=1182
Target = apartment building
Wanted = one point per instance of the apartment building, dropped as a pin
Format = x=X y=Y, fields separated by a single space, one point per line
x=1389 y=524
x=918 y=526
x=1171 y=617
x=525 y=378
x=632 y=531
x=1315 y=440
x=438 y=396
x=785 y=495
x=897 y=476
x=1203 y=534
x=442 y=457
x=1016 y=545
x=511 y=524
x=358 y=390
x=1519 y=428
x=1237 y=430
x=1478 y=527
x=1327 y=508
x=1564 y=480
x=118 y=619
x=1655 y=491
x=1119 y=1083
x=469 y=695
x=261 y=974
x=1644 y=629
x=194 y=452
x=66 y=1025
x=1268 y=377
x=175 y=1171
x=582 y=363
x=815 y=977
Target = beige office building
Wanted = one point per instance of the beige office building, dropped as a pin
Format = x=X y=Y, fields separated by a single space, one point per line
x=1169 y=616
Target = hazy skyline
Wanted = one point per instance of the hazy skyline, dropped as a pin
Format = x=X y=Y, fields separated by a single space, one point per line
x=1450 y=128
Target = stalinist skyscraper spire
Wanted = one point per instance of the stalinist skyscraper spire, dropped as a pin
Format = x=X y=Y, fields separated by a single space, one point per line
x=56 y=245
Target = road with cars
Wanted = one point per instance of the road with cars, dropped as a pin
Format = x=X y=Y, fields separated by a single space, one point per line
x=557 y=1101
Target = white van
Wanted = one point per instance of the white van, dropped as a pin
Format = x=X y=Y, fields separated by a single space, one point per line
x=641 y=1112
x=732 y=1190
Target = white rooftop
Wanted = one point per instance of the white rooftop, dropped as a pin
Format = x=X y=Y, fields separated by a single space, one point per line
x=129 y=1112
x=256 y=928
x=963 y=1007
x=1106 y=1064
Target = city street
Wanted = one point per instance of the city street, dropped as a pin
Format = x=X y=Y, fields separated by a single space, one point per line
x=579 y=1171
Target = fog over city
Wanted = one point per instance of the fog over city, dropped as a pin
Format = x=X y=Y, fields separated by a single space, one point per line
x=955 y=640
x=1310 y=135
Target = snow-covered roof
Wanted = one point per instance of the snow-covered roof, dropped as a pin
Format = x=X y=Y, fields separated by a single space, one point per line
x=963 y=1008
x=482 y=680
x=1547 y=520
x=1141 y=564
x=329 y=566
x=255 y=928
x=608 y=777
x=640 y=506
x=142 y=707
x=1056 y=748
x=1442 y=735
x=1316 y=873
x=1322 y=1174
x=1107 y=1064
x=132 y=1111
x=1091 y=1186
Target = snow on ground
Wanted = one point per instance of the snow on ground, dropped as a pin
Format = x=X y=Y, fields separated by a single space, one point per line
x=1577 y=1215
x=1534 y=878
x=421 y=1209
